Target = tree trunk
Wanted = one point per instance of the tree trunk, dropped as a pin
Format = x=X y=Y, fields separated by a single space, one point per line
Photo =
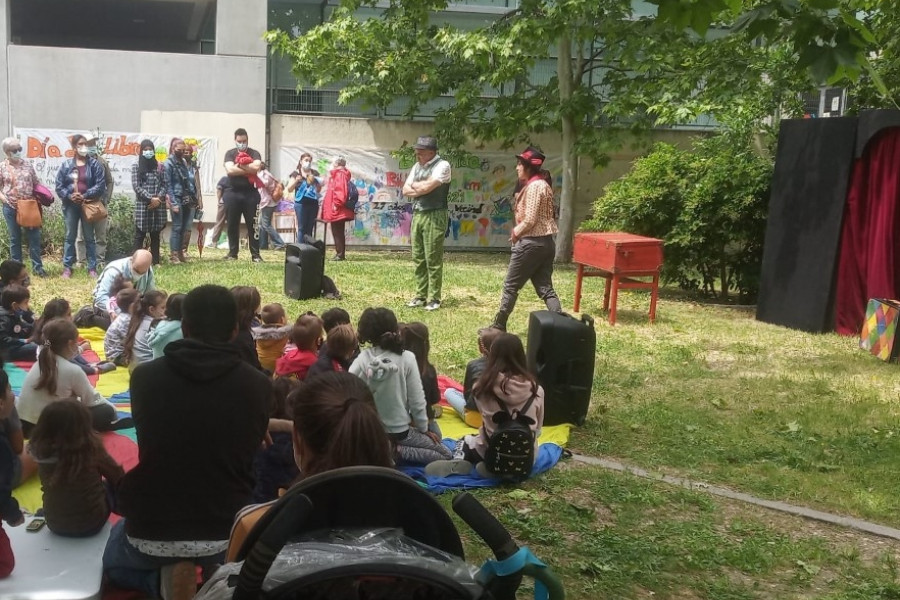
x=569 y=158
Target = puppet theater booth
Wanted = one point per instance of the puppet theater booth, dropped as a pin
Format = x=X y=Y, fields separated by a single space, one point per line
x=832 y=237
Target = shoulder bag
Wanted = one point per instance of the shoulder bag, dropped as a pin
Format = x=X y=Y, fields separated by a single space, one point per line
x=28 y=212
x=94 y=210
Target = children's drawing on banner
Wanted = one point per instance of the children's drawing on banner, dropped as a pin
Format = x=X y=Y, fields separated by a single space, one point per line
x=480 y=203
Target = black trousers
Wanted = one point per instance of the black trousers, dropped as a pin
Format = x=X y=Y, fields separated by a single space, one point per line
x=140 y=236
x=531 y=259
x=240 y=203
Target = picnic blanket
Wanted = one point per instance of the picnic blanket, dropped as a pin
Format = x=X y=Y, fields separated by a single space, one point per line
x=114 y=386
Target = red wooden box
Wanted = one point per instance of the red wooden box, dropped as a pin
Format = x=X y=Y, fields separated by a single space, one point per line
x=618 y=257
x=618 y=252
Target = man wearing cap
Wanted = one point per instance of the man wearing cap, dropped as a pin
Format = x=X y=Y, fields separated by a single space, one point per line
x=533 y=246
x=101 y=226
x=428 y=186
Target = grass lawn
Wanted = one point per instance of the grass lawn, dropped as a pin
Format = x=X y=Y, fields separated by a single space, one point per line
x=706 y=392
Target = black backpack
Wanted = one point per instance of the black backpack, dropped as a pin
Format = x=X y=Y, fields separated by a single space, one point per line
x=510 y=449
x=352 y=196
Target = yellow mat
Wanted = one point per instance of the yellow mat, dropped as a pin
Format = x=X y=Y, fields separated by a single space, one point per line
x=452 y=426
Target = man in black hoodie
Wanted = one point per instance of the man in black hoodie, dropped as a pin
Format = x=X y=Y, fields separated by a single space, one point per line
x=200 y=413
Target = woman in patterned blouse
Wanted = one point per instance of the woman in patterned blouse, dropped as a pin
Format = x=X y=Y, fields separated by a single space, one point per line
x=17 y=180
x=149 y=183
x=533 y=247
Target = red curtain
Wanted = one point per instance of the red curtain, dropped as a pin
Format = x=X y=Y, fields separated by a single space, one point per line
x=870 y=239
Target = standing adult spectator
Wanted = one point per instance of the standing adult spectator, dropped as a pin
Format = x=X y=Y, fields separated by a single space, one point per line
x=267 y=206
x=428 y=186
x=533 y=246
x=17 y=181
x=305 y=183
x=241 y=197
x=136 y=268
x=183 y=199
x=148 y=179
x=101 y=227
x=192 y=156
x=200 y=414
x=80 y=179
x=334 y=205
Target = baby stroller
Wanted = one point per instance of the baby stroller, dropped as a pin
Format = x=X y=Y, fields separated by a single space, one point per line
x=373 y=533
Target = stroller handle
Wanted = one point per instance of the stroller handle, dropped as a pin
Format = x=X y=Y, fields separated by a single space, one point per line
x=485 y=525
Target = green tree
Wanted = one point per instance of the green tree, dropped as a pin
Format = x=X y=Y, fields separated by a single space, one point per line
x=619 y=71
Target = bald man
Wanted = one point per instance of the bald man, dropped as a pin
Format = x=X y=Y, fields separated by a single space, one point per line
x=137 y=269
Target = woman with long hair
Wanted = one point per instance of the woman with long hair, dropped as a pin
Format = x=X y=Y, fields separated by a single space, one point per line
x=148 y=179
x=183 y=200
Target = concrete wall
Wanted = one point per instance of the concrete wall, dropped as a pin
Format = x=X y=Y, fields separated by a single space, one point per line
x=78 y=88
x=390 y=135
x=5 y=126
x=240 y=25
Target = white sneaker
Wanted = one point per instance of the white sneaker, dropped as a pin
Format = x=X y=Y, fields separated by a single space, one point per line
x=433 y=305
x=416 y=302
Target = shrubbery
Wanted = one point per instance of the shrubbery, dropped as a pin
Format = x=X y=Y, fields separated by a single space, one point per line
x=709 y=204
x=120 y=236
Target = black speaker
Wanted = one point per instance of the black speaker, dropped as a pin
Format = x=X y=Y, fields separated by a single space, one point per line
x=304 y=266
x=561 y=352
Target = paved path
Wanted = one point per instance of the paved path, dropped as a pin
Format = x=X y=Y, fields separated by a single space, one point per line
x=801 y=511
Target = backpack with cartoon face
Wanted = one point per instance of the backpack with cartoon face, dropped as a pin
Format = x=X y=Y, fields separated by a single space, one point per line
x=510 y=449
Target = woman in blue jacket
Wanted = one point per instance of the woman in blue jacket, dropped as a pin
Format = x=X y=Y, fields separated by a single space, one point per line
x=183 y=199
x=80 y=179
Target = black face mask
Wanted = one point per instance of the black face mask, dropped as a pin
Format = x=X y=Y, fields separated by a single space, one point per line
x=178 y=153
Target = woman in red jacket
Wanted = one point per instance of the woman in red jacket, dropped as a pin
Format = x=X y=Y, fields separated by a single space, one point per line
x=334 y=205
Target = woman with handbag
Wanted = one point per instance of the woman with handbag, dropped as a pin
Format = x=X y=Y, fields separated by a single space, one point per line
x=80 y=184
x=148 y=178
x=20 y=208
x=182 y=197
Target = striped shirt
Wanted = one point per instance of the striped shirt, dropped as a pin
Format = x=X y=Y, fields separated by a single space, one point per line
x=534 y=210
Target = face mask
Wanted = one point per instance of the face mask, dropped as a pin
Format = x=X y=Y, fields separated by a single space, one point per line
x=82 y=150
x=305 y=164
x=148 y=154
x=17 y=155
x=178 y=153
x=94 y=150
x=242 y=146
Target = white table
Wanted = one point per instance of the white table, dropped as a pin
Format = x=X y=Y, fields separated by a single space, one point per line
x=52 y=567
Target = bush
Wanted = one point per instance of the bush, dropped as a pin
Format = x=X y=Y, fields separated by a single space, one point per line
x=120 y=236
x=708 y=204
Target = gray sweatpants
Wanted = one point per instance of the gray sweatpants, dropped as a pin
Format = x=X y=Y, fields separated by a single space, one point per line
x=532 y=258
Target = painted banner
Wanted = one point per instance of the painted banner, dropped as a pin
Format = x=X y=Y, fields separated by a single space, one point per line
x=47 y=149
x=480 y=203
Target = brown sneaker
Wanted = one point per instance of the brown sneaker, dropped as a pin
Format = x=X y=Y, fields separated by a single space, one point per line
x=178 y=581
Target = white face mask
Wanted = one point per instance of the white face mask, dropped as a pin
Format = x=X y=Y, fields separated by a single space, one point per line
x=17 y=155
x=241 y=146
x=148 y=154
x=82 y=150
x=305 y=164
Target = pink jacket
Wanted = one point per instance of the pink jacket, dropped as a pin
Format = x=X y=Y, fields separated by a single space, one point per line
x=517 y=393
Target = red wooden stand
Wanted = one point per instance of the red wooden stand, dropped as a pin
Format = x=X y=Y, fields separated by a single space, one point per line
x=619 y=258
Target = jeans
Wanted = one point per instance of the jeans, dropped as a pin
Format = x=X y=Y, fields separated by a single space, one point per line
x=26 y=352
x=74 y=216
x=131 y=569
x=241 y=203
x=32 y=235
x=267 y=231
x=306 y=219
x=180 y=221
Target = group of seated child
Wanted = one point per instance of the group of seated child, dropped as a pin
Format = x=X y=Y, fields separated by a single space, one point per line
x=60 y=411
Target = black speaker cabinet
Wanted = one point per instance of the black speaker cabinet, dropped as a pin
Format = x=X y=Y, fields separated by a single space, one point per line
x=561 y=352
x=304 y=266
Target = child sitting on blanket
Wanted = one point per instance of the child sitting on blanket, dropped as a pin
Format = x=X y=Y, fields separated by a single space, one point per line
x=16 y=324
x=167 y=330
x=392 y=374
x=331 y=318
x=307 y=337
x=274 y=467
x=464 y=402
x=338 y=355
x=415 y=339
x=9 y=508
x=54 y=377
x=136 y=347
x=118 y=284
x=272 y=335
x=72 y=465
x=505 y=379
x=59 y=308
x=114 y=340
